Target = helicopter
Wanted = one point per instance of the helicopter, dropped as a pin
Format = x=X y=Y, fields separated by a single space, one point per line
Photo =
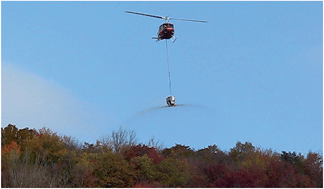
x=166 y=30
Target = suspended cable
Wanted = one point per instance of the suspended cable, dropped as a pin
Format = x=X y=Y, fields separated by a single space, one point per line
x=166 y=42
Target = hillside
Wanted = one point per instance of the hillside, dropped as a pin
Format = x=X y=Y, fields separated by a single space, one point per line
x=43 y=158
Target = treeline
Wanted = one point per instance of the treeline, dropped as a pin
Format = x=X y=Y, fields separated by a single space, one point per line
x=42 y=158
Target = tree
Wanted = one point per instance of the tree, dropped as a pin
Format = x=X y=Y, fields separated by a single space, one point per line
x=42 y=158
x=215 y=172
x=238 y=153
x=12 y=133
x=24 y=134
x=173 y=172
x=314 y=169
x=241 y=178
x=113 y=171
x=9 y=134
x=122 y=139
x=145 y=169
x=179 y=151
x=155 y=144
x=281 y=174
x=212 y=154
x=9 y=156
x=140 y=150
x=294 y=159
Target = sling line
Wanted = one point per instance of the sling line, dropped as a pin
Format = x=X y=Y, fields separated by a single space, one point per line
x=166 y=42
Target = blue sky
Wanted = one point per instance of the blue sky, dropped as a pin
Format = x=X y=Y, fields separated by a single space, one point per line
x=253 y=73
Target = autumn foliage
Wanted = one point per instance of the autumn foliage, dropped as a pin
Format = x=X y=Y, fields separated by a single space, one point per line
x=42 y=158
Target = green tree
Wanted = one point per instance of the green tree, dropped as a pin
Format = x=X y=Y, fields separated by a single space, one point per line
x=212 y=154
x=113 y=171
x=238 y=153
x=140 y=150
x=173 y=172
x=145 y=169
x=294 y=159
x=9 y=134
x=24 y=134
x=12 y=133
x=48 y=144
x=179 y=151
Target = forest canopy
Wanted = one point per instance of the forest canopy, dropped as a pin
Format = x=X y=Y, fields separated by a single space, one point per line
x=43 y=158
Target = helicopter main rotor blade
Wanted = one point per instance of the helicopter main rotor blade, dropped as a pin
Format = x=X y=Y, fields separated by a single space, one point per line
x=154 y=16
x=188 y=20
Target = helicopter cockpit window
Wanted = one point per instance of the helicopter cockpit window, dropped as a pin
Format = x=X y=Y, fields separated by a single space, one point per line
x=166 y=25
x=161 y=27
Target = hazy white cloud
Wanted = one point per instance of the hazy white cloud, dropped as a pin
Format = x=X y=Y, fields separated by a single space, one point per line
x=30 y=101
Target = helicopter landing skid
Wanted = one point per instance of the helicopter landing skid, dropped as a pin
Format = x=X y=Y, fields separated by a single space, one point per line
x=157 y=39
x=174 y=39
